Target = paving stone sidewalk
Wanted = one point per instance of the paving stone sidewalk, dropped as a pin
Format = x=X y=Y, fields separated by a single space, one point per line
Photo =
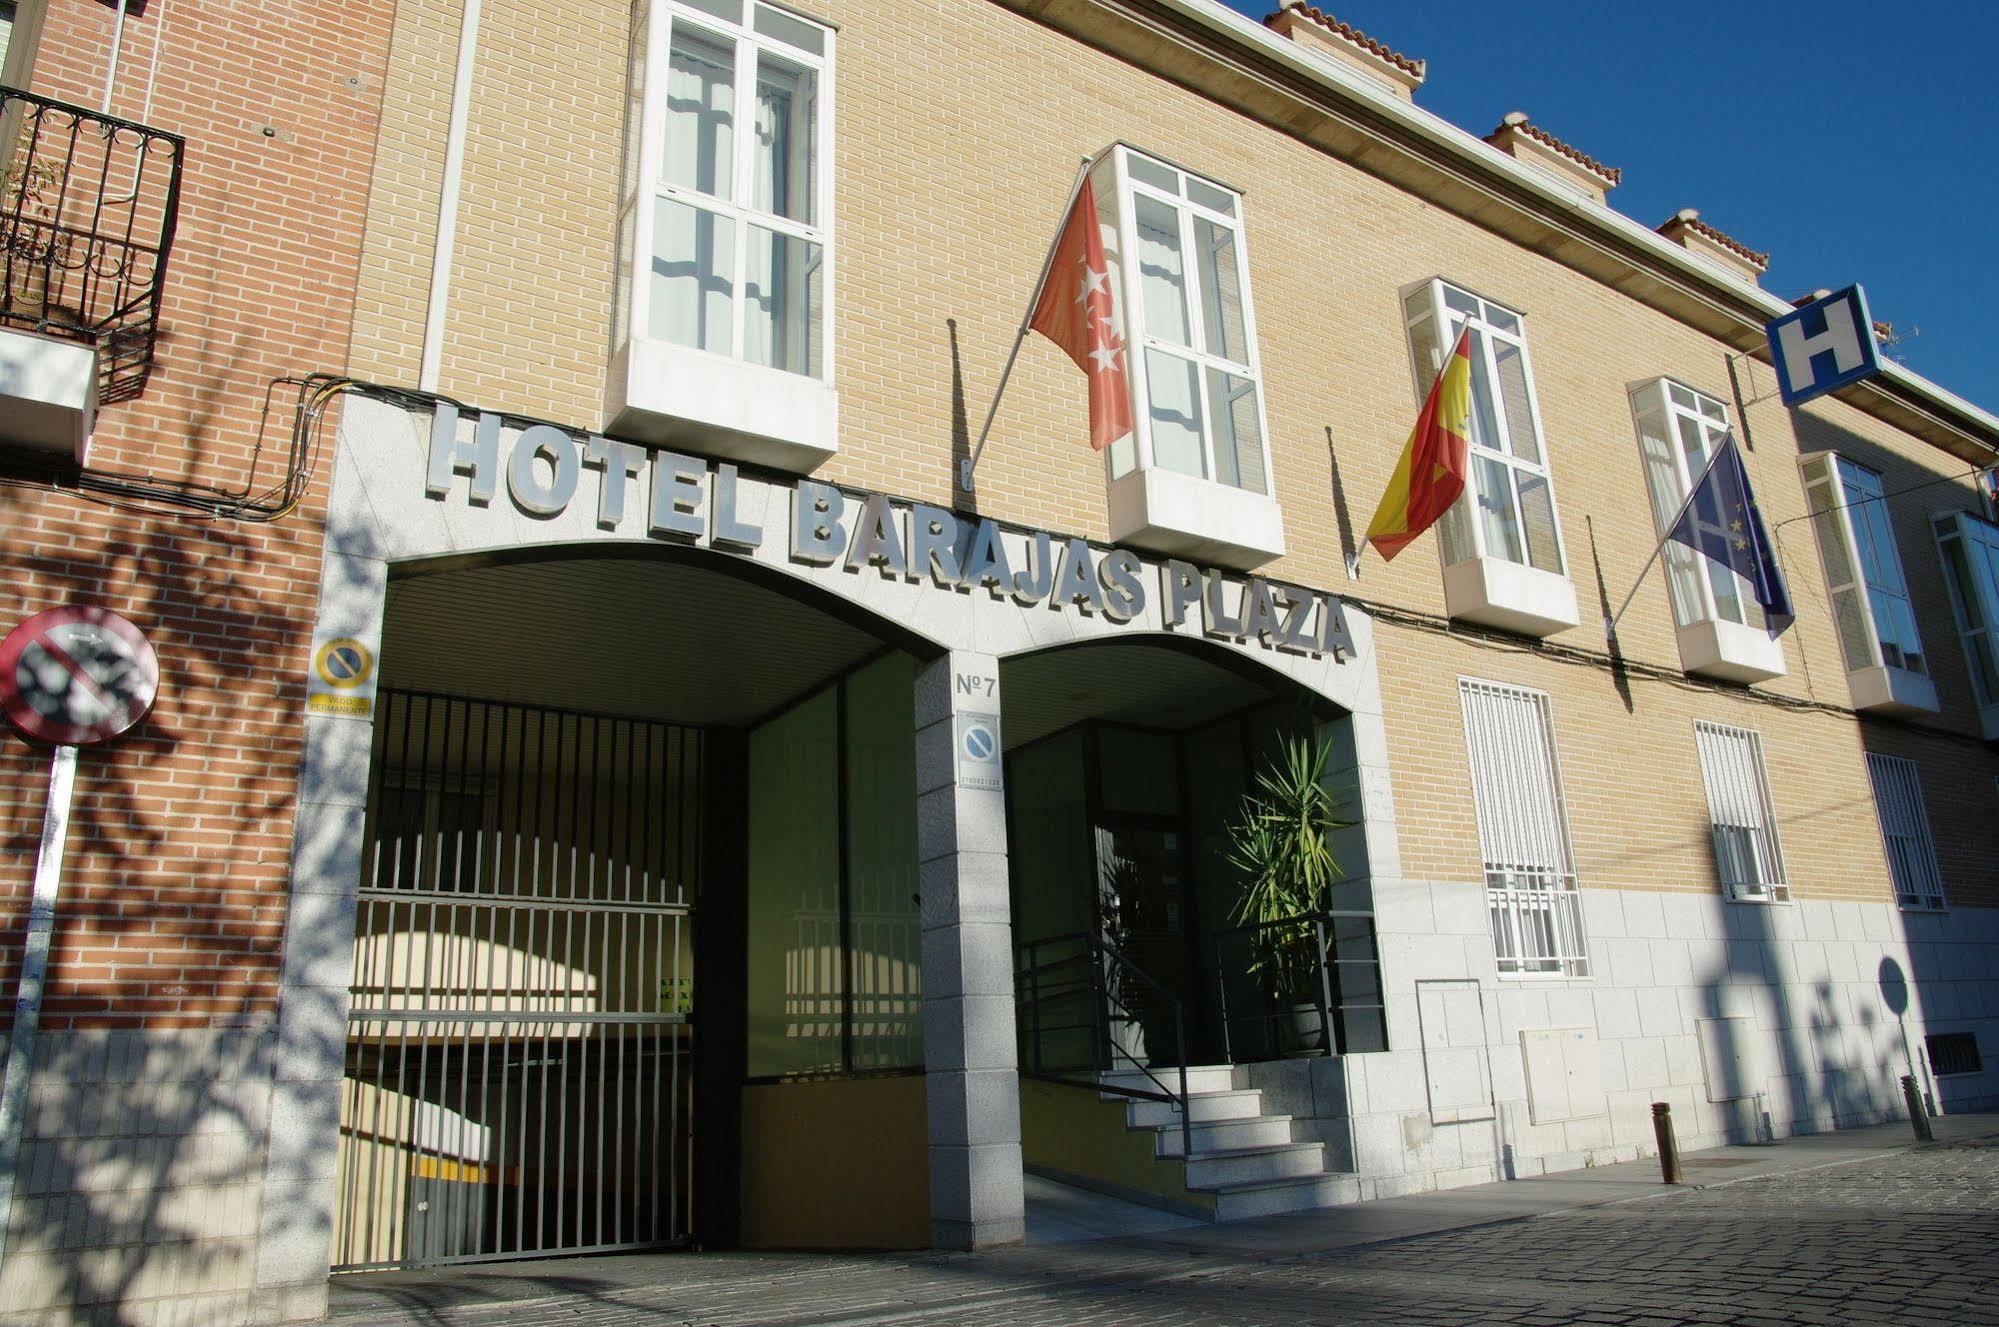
x=1871 y=1232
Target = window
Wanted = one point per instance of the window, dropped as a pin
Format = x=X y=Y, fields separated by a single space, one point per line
x=1953 y=1053
x=1678 y=432
x=6 y=29
x=1743 y=821
x=1905 y=831
x=738 y=245
x=1969 y=548
x=1523 y=831
x=1508 y=510
x=1199 y=410
x=1870 y=597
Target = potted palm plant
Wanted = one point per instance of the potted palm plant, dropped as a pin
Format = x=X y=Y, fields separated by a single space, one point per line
x=1282 y=842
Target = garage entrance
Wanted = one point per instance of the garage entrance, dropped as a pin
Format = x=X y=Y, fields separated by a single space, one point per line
x=518 y=1047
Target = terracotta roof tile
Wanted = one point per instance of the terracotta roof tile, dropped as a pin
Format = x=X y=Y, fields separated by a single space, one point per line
x=1691 y=219
x=1353 y=34
x=1518 y=122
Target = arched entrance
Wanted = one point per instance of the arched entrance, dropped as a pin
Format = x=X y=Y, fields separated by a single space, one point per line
x=638 y=862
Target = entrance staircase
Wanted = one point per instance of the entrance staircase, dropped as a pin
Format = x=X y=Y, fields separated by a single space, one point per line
x=1245 y=1161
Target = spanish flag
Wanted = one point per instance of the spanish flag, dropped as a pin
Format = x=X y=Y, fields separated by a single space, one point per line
x=1435 y=462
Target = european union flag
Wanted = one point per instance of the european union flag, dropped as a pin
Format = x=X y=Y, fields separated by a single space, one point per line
x=1721 y=522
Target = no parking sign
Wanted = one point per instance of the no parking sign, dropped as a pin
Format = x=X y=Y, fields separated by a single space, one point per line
x=77 y=676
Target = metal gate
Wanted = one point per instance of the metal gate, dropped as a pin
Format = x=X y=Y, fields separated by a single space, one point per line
x=519 y=1067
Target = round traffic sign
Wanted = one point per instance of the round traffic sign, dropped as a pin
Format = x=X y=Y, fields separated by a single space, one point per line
x=75 y=676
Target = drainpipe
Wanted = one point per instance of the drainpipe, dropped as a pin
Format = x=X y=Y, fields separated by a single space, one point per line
x=447 y=201
x=117 y=42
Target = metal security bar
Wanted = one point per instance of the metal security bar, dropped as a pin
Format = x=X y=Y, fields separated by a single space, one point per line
x=1523 y=830
x=518 y=1071
x=88 y=206
x=1905 y=831
x=1743 y=820
x=1341 y=1009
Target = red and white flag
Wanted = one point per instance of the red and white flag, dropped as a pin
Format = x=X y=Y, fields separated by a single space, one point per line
x=1078 y=313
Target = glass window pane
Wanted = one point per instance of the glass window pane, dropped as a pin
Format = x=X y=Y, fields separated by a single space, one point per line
x=732 y=10
x=1162 y=272
x=1175 y=410
x=693 y=259
x=1145 y=170
x=1423 y=344
x=1459 y=302
x=1511 y=362
x=1713 y=410
x=883 y=925
x=783 y=176
x=1233 y=424
x=1221 y=291
x=1499 y=518
x=1208 y=196
x=784 y=289
x=791 y=31
x=1537 y=517
x=1484 y=418
x=1416 y=304
x=1502 y=319
x=700 y=111
x=1454 y=537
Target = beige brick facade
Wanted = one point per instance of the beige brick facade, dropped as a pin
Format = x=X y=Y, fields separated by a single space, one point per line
x=941 y=216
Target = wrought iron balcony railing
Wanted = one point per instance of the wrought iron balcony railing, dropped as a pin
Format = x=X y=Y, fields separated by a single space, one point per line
x=88 y=205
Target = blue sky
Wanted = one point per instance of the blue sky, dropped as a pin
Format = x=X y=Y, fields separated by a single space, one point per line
x=1852 y=142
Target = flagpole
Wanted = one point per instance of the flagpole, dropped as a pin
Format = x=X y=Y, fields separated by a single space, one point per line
x=1610 y=627
x=971 y=462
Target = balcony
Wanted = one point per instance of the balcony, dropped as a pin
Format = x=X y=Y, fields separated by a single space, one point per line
x=88 y=205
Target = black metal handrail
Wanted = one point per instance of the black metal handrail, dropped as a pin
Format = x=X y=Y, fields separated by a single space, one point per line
x=1081 y=966
x=1344 y=986
x=88 y=208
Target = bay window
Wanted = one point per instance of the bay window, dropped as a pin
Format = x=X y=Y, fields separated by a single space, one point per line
x=1501 y=543
x=1886 y=667
x=1194 y=476
x=724 y=241
x=1969 y=548
x=1721 y=627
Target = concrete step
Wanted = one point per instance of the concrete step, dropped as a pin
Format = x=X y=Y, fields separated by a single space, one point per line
x=1200 y=1078
x=1249 y=1165
x=1237 y=1105
x=1239 y=1202
x=1226 y=1135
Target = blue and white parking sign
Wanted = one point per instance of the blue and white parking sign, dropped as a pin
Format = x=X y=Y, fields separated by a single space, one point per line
x=1824 y=345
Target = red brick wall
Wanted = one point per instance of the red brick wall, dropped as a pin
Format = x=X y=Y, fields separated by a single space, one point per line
x=172 y=910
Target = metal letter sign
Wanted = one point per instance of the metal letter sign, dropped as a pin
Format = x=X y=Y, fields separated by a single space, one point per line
x=1823 y=346
x=76 y=676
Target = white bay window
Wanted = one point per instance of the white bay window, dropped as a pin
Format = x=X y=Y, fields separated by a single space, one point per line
x=724 y=292
x=1720 y=626
x=1501 y=543
x=1886 y=668
x=1194 y=477
x=1969 y=548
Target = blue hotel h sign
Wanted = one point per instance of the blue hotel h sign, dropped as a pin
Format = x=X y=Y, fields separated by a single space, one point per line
x=1823 y=346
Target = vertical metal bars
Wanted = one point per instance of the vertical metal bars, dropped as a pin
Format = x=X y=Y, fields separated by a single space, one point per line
x=1905 y=831
x=1746 y=853
x=515 y=1081
x=1523 y=830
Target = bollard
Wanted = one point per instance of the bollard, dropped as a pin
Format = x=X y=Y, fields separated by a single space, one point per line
x=1919 y=1119
x=1669 y=1147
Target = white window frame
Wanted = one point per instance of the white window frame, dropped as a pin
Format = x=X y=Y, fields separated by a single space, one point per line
x=1905 y=832
x=1117 y=190
x=1835 y=487
x=649 y=189
x=1692 y=580
x=1530 y=876
x=1975 y=605
x=1738 y=799
x=1461 y=534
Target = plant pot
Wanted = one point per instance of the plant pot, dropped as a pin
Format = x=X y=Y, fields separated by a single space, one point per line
x=1299 y=1031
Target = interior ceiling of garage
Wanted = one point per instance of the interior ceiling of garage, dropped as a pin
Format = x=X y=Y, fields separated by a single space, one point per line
x=650 y=639
x=686 y=644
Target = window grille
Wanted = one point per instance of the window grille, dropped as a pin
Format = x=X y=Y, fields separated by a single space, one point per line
x=1905 y=831
x=1741 y=814
x=1953 y=1053
x=1537 y=925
